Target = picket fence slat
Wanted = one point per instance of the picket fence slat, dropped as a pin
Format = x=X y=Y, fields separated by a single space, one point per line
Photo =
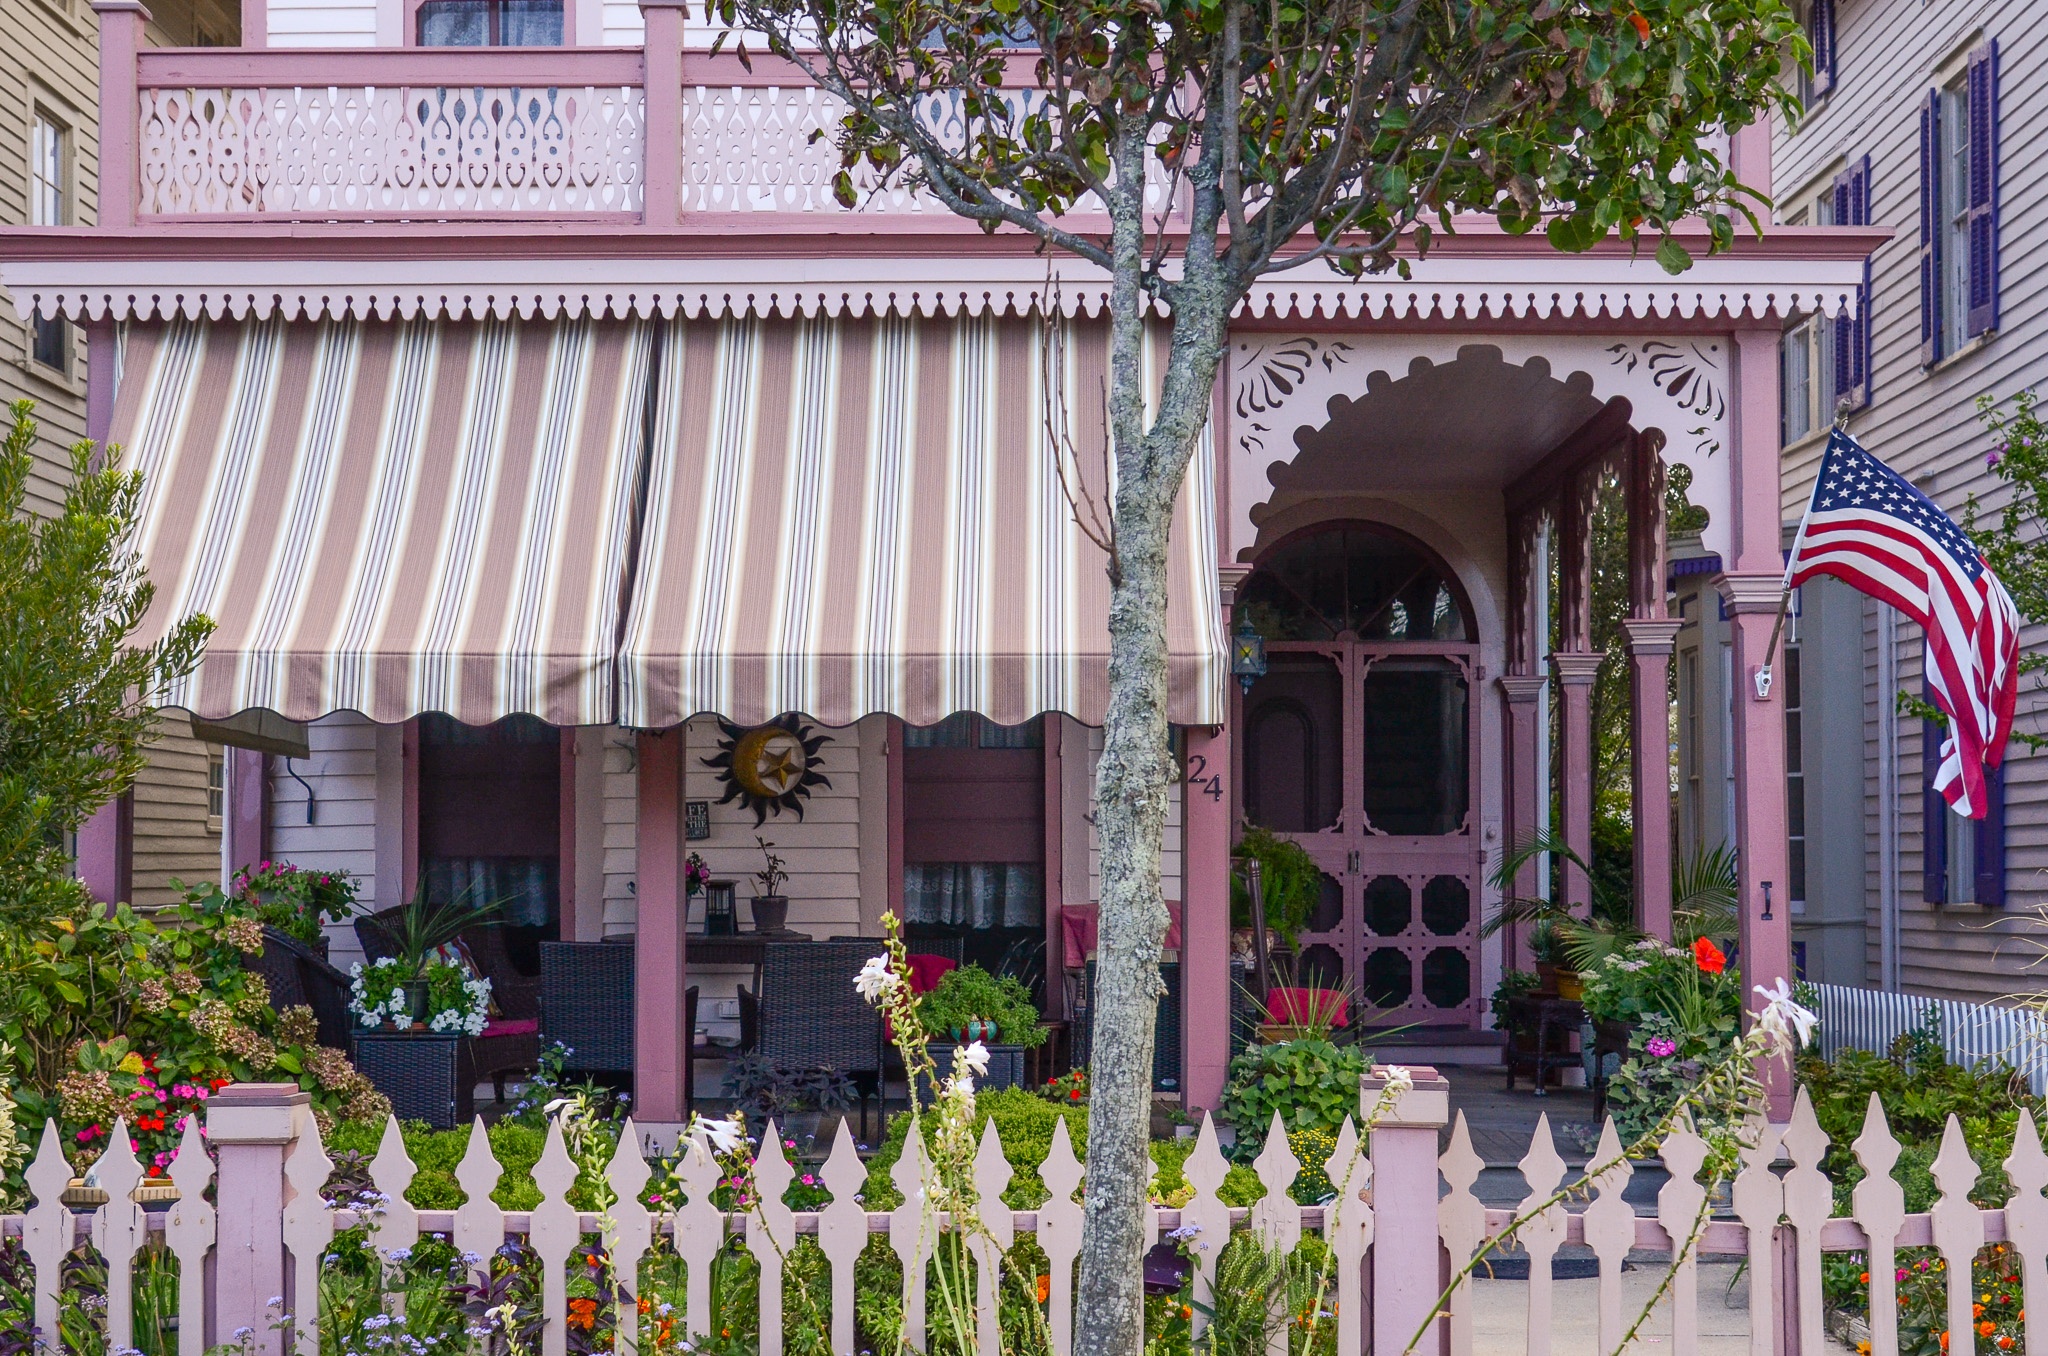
x=1781 y=1204
x=1869 y=1019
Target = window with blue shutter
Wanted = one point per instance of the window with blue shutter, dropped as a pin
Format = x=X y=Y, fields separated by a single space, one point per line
x=1962 y=861
x=1852 y=332
x=1820 y=32
x=1934 y=814
x=1983 y=190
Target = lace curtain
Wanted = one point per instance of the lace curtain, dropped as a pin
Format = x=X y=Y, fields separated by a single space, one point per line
x=974 y=894
x=523 y=888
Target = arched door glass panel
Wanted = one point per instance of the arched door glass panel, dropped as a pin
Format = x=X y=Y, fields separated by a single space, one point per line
x=1373 y=586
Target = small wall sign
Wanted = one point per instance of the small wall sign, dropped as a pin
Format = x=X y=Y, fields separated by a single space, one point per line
x=696 y=819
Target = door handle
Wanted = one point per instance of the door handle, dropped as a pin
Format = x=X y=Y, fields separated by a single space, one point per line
x=1351 y=862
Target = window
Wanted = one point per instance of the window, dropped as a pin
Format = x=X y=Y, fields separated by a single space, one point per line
x=1959 y=208
x=216 y=787
x=49 y=204
x=1806 y=387
x=490 y=23
x=1962 y=860
x=1820 y=33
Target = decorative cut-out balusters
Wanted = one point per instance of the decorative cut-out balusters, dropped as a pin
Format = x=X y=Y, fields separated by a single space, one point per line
x=629 y=1231
x=2026 y=1225
x=118 y=1227
x=700 y=1229
x=1206 y=1169
x=1347 y=1228
x=771 y=1233
x=1809 y=1200
x=1759 y=1200
x=1610 y=1231
x=553 y=1234
x=911 y=1230
x=1542 y=1235
x=1461 y=1223
x=843 y=1231
x=1275 y=1218
x=189 y=1233
x=479 y=1223
x=1880 y=1204
x=397 y=1224
x=1059 y=1229
x=1958 y=1228
x=997 y=1232
x=308 y=1223
x=46 y=1231
x=1681 y=1203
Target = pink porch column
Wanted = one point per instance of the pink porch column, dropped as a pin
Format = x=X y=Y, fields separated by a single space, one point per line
x=106 y=850
x=1525 y=785
x=1406 y=1281
x=252 y=1126
x=660 y=966
x=1575 y=673
x=1753 y=588
x=121 y=24
x=246 y=826
x=663 y=131
x=1650 y=642
x=1205 y=926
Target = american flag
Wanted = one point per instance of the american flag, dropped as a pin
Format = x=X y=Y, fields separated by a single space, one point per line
x=1870 y=528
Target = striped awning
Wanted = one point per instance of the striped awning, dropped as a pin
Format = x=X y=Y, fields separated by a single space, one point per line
x=389 y=517
x=848 y=516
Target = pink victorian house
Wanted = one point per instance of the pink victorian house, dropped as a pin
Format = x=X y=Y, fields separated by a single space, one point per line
x=539 y=431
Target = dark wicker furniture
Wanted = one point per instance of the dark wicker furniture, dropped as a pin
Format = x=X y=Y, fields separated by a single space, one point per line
x=811 y=1015
x=1553 y=1021
x=586 y=1003
x=1166 y=1030
x=510 y=1042
x=428 y=1077
x=298 y=977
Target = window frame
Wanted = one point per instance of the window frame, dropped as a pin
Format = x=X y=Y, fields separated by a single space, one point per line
x=1807 y=408
x=411 y=26
x=216 y=787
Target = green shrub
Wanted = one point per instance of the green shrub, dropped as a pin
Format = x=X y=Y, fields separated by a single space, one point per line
x=971 y=992
x=436 y=1153
x=1311 y=1084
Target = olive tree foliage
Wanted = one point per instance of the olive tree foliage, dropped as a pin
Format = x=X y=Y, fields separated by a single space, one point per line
x=1273 y=135
x=75 y=696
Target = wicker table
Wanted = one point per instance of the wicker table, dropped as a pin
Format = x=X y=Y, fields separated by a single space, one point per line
x=428 y=1077
x=1552 y=1019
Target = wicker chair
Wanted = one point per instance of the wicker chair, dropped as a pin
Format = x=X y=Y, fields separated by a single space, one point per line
x=510 y=1042
x=1166 y=1033
x=298 y=976
x=811 y=1015
x=586 y=1004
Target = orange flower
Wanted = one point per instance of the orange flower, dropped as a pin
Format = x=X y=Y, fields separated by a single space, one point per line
x=1642 y=25
x=1708 y=956
x=1044 y=1288
x=1986 y=1328
x=1976 y=1311
x=1864 y=1279
x=646 y=1305
x=583 y=1313
x=1944 y=1340
x=2005 y=1342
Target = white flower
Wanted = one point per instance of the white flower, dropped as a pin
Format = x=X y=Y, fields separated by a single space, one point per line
x=1783 y=1020
x=876 y=980
x=974 y=1058
x=722 y=1137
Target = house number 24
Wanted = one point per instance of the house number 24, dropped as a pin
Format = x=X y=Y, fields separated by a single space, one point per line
x=1211 y=784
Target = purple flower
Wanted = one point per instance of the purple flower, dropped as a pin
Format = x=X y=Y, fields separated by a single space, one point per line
x=1663 y=1047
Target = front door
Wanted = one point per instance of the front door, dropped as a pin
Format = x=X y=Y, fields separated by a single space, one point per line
x=1360 y=745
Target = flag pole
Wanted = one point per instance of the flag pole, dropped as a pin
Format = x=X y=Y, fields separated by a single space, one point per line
x=1763 y=673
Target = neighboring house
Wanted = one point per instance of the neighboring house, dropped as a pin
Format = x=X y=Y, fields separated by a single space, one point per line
x=49 y=155
x=541 y=432
x=1919 y=120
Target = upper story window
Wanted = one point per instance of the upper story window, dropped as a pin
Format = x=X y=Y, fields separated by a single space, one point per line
x=1806 y=386
x=1820 y=34
x=49 y=204
x=490 y=23
x=1959 y=207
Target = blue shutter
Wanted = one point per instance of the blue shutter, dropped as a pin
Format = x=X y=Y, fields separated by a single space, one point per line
x=1983 y=86
x=1934 y=814
x=1852 y=333
x=1930 y=228
x=1820 y=31
x=1990 y=830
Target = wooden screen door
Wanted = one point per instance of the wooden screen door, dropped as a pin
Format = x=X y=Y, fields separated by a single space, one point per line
x=1365 y=751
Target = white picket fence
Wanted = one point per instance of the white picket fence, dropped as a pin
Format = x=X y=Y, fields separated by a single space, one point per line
x=1387 y=1261
x=1871 y=1019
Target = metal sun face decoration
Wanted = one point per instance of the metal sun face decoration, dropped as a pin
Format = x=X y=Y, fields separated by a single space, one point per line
x=770 y=768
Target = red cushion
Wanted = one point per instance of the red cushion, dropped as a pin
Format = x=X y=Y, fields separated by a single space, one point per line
x=927 y=970
x=1295 y=1006
x=511 y=1026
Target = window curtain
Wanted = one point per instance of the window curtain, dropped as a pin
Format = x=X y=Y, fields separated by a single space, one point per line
x=523 y=888
x=975 y=894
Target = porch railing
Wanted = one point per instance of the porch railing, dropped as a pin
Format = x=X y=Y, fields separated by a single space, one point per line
x=1971 y=1033
x=265 y=1239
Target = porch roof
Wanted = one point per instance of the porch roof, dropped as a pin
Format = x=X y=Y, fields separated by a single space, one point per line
x=835 y=517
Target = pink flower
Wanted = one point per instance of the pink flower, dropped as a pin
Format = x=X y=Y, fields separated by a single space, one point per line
x=1662 y=1047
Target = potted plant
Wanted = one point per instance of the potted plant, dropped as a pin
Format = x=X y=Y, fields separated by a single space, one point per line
x=441 y=998
x=1291 y=885
x=969 y=1004
x=418 y=930
x=297 y=902
x=771 y=906
x=796 y=1097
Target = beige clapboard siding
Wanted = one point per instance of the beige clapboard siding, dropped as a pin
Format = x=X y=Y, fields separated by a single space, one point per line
x=323 y=23
x=1924 y=422
x=174 y=841
x=1169 y=856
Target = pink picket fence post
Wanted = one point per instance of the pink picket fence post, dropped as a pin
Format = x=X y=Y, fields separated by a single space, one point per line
x=1407 y=1272
x=252 y=1127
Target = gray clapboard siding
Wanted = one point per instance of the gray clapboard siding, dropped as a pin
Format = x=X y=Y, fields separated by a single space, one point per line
x=1924 y=422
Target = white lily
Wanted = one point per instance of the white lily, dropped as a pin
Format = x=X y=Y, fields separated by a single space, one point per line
x=1782 y=1018
x=876 y=980
x=722 y=1137
x=975 y=1058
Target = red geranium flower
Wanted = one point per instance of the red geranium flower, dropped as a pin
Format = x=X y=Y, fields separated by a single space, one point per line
x=1708 y=956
